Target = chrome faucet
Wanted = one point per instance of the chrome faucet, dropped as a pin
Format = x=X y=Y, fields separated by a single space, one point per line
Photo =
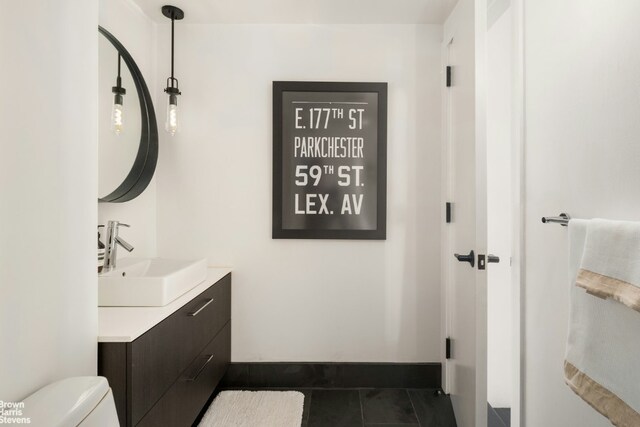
x=112 y=240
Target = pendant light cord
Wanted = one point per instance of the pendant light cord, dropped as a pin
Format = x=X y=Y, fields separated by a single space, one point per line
x=174 y=14
x=172 y=20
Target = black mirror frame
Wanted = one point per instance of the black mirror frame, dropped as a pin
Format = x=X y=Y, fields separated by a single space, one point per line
x=144 y=165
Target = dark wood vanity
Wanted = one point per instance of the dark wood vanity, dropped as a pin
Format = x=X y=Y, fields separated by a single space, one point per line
x=165 y=376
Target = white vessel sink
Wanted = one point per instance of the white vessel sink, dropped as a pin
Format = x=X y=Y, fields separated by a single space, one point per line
x=154 y=282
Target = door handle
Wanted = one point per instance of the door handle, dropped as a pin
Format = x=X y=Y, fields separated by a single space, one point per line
x=471 y=258
x=493 y=258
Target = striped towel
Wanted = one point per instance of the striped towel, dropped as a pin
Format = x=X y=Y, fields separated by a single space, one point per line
x=603 y=347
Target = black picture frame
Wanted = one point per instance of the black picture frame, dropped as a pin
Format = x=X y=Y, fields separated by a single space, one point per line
x=379 y=233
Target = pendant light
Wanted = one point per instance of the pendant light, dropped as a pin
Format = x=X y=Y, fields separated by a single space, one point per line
x=117 y=111
x=172 y=90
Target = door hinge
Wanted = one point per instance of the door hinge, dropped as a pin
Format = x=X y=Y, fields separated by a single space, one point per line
x=449 y=207
x=448 y=75
x=448 y=348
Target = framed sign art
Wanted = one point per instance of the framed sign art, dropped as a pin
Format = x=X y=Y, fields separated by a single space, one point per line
x=329 y=160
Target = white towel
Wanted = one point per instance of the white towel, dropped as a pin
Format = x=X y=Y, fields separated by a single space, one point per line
x=611 y=263
x=603 y=347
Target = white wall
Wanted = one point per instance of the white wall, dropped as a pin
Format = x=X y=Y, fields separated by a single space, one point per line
x=48 y=158
x=305 y=300
x=582 y=149
x=137 y=33
x=499 y=295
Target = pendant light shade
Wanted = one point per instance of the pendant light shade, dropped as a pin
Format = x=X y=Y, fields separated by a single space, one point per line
x=117 y=110
x=172 y=90
x=171 y=123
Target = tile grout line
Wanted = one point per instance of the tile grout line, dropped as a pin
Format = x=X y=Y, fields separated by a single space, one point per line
x=308 y=412
x=415 y=413
x=505 y=421
x=361 y=408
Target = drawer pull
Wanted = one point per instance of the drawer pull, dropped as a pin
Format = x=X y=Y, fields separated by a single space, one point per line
x=204 y=365
x=195 y=313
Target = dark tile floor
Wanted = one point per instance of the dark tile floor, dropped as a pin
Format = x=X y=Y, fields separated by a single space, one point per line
x=499 y=417
x=375 y=407
x=505 y=415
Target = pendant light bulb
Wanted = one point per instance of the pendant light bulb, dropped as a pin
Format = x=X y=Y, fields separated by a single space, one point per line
x=171 y=124
x=117 y=114
x=117 y=110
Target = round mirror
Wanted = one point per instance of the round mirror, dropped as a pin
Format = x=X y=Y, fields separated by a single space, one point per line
x=127 y=127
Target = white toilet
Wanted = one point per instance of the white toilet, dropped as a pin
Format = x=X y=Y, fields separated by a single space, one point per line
x=72 y=402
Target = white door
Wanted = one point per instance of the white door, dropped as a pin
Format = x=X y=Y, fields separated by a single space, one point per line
x=465 y=187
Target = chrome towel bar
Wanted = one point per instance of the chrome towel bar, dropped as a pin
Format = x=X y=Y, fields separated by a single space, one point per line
x=562 y=219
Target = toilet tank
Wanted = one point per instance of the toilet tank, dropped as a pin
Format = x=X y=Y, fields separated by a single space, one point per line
x=72 y=402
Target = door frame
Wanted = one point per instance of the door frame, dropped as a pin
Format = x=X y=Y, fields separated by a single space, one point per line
x=518 y=211
x=446 y=234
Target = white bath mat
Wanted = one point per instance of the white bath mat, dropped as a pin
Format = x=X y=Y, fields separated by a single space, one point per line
x=255 y=409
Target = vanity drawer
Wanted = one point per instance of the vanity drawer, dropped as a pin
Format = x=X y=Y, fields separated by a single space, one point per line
x=187 y=396
x=162 y=354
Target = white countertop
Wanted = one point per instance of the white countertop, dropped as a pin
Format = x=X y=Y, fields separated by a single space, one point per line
x=125 y=324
